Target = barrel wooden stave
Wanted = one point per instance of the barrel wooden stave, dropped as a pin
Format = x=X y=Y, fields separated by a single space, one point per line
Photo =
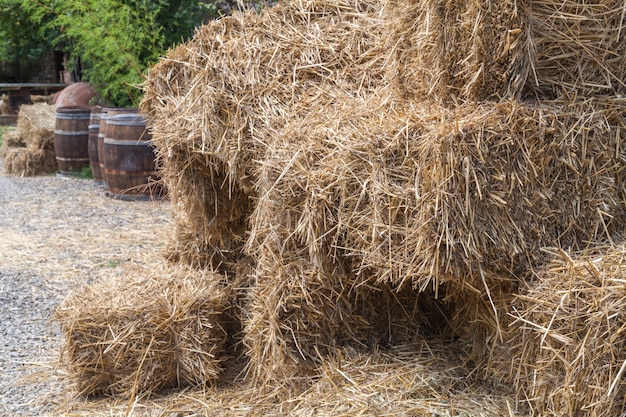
x=94 y=130
x=129 y=158
x=105 y=113
x=71 y=138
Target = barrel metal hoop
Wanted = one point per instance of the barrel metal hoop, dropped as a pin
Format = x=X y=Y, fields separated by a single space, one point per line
x=62 y=158
x=71 y=133
x=110 y=141
x=109 y=171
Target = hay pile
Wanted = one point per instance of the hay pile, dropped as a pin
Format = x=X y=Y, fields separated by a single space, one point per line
x=578 y=48
x=366 y=215
x=144 y=330
x=466 y=198
x=567 y=350
x=29 y=150
x=437 y=193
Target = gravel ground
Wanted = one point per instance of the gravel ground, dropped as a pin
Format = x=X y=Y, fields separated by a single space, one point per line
x=57 y=233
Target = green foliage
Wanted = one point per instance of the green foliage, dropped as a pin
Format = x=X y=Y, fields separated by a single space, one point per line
x=20 y=38
x=86 y=173
x=115 y=41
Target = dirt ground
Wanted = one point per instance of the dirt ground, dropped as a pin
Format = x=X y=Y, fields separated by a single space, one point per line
x=57 y=233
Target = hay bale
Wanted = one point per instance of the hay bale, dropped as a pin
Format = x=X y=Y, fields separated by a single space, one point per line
x=502 y=181
x=458 y=203
x=35 y=123
x=277 y=142
x=566 y=349
x=12 y=139
x=27 y=162
x=214 y=102
x=456 y=50
x=144 y=330
x=29 y=150
x=437 y=194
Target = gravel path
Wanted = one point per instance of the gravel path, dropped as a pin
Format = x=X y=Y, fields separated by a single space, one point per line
x=57 y=233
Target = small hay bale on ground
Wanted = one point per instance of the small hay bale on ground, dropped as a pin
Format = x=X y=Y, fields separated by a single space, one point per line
x=29 y=150
x=566 y=350
x=144 y=330
x=27 y=162
x=35 y=122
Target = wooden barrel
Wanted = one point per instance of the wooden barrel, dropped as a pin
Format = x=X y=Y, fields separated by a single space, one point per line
x=105 y=112
x=94 y=159
x=71 y=138
x=129 y=159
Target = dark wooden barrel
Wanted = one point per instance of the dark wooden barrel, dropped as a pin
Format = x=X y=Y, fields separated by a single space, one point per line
x=129 y=159
x=94 y=159
x=105 y=112
x=71 y=138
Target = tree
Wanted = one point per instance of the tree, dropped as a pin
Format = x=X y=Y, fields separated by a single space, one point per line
x=115 y=41
x=20 y=39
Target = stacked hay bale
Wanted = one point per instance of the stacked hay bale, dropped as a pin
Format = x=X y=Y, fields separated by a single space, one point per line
x=577 y=48
x=535 y=183
x=453 y=51
x=281 y=143
x=144 y=330
x=249 y=76
x=566 y=348
x=29 y=150
x=243 y=74
x=461 y=199
x=274 y=125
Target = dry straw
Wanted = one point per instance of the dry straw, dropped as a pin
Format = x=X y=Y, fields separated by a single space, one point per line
x=451 y=50
x=565 y=351
x=454 y=51
x=465 y=198
x=426 y=378
x=144 y=330
x=29 y=150
x=427 y=194
x=281 y=145
x=216 y=101
x=578 y=47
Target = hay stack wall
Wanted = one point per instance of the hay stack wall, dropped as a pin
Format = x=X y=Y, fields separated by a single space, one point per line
x=432 y=193
x=457 y=203
x=29 y=150
x=273 y=125
x=307 y=298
